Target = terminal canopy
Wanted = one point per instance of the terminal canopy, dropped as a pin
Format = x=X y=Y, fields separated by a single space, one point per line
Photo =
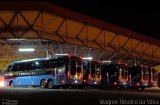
x=50 y=29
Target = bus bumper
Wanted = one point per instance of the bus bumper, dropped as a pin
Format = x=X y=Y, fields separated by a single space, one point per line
x=94 y=82
x=75 y=82
x=145 y=84
x=123 y=83
x=154 y=84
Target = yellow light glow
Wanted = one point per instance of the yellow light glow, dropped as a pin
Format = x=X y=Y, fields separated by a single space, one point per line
x=115 y=83
x=76 y=76
x=1 y=83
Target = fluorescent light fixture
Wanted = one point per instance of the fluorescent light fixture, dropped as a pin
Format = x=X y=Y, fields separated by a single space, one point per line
x=87 y=58
x=15 y=39
x=61 y=54
x=26 y=49
x=109 y=61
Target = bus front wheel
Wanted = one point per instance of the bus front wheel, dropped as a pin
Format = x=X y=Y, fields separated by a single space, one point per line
x=50 y=84
x=11 y=84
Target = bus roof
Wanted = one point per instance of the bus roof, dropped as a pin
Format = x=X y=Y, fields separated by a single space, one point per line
x=28 y=60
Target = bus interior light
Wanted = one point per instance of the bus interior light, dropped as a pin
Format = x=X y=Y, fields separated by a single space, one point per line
x=61 y=54
x=108 y=61
x=76 y=76
x=89 y=58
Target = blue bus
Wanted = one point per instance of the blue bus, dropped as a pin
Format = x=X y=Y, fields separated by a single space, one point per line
x=44 y=72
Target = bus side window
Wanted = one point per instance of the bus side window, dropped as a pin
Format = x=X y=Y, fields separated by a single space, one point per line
x=8 y=68
x=52 y=63
x=21 y=67
x=15 y=67
x=37 y=65
x=45 y=64
x=29 y=66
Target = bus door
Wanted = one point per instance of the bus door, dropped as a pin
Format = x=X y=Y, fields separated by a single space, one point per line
x=113 y=75
x=76 y=72
x=123 y=75
x=60 y=75
x=153 y=77
x=60 y=71
x=95 y=73
x=144 y=76
x=86 y=65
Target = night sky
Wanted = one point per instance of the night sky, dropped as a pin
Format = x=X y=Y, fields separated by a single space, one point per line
x=141 y=17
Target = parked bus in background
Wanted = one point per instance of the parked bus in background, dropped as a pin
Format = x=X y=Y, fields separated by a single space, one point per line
x=92 y=73
x=104 y=75
x=138 y=77
x=153 y=77
x=74 y=70
x=118 y=75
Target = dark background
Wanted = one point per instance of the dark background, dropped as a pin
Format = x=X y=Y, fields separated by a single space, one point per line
x=142 y=16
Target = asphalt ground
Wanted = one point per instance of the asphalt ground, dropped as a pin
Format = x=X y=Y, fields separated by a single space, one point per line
x=41 y=96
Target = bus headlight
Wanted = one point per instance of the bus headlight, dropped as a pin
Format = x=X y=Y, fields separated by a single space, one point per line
x=62 y=81
x=95 y=82
x=124 y=83
x=115 y=83
x=137 y=84
x=76 y=81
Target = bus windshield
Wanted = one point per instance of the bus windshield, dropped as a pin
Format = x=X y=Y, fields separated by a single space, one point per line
x=145 y=74
x=155 y=76
x=75 y=66
x=95 y=69
x=124 y=72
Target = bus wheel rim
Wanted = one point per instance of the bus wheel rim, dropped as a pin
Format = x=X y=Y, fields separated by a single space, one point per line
x=50 y=84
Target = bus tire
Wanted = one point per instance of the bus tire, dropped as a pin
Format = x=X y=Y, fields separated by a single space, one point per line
x=142 y=88
x=65 y=87
x=11 y=84
x=50 y=84
x=43 y=83
x=103 y=85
